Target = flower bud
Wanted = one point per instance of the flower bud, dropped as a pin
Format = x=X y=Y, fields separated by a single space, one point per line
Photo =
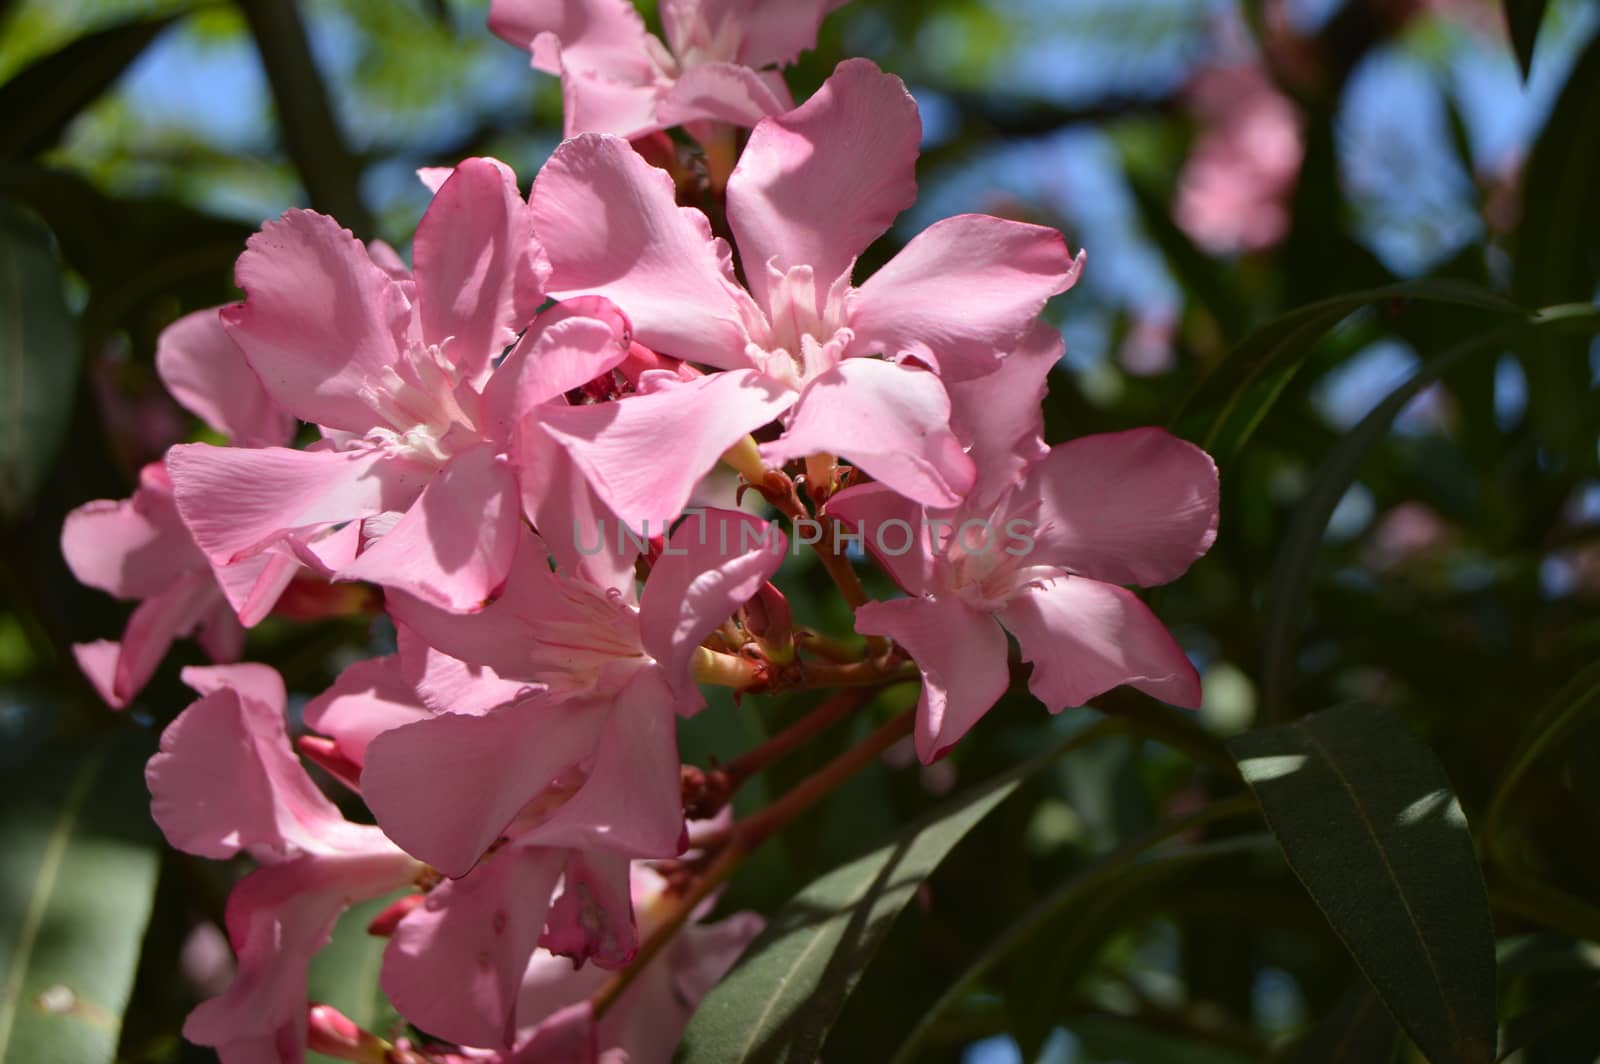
x=333 y=1034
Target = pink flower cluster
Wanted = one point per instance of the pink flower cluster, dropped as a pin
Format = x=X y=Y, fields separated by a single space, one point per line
x=576 y=361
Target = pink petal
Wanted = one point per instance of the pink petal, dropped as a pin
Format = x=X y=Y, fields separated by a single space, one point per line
x=596 y=103
x=962 y=654
x=253 y=585
x=713 y=563
x=620 y=445
x=205 y=371
x=612 y=227
x=98 y=660
x=893 y=529
x=455 y=963
x=237 y=501
x=1000 y=415
x=278 y=918
x=891 y=420
x=566 y=347
x=480 y=770
x=564 y=1037
x=476 y=273
x=131 y=548
x=607 y=36
x=320 y=322
x=220 y=634
x=1133 y=507
x=258 y=683
x=591 y=918
x=720 y=92
x=1085 y=637
x=444 y=684
x=454 y=547
x=962 y=293
x=777 y=31
x=632 y=800
x=585 y=539
x=155 y=625
x=227 y=780
x=501 y=634
x=800 y=195
x=368 y=699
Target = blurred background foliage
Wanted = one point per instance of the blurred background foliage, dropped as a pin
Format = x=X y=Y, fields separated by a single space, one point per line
x=1411 y=507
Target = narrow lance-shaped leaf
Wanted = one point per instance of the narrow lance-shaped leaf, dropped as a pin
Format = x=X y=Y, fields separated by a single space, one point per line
x=79 y=859
x=1359 y=1030
x=44 y=97
x=1371 y=827
x=38 y=357
x=1523 y=18
x=778 y=1004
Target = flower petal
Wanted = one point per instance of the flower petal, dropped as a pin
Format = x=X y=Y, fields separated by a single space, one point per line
x=1135 y=507
x=962 y=654
x=891 y=420
x=226 y=779
x=720 y=92
x=480 y=770
x=367 y=699
x=476 y=265
x=455 y=963
x=253 y=585
x=1085 y=637
x=606 y=36
x=1000 y=415
x=591 y=918
x=619 y=445
x=611 y=225
x=320 y=323
x=893 y=529
x=454 y=547
x=713 y=563
x=800 y=195
x=444 y=684
x=205 y=371
x=237 y=501
x=278 y=918
x=155 y=625
x=963 y=292
x=134 y=547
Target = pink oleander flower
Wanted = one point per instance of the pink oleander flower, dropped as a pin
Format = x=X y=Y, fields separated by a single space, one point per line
x=855 y=371
x=402 y=373
x=618 y=78
x=1233 y=193
x=226 y=781
x=552 y=758
x=1039 y=551
x=138 y=548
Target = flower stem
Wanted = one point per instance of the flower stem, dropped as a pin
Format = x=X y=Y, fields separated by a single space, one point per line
x=795 y=735
x=745 y=837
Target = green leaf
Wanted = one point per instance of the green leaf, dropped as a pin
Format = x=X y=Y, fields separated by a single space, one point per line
x=1289 y=586
x=1358 y=1031
x=79 y=859
x=1126 y=1038
x=1557 y=259
x=45 y=96
x=1224 y=409
x=345 y=972
x=1523 y=18
x=39 y=357
x=780 y=1001
x=1125 y=866
x=1371 y=827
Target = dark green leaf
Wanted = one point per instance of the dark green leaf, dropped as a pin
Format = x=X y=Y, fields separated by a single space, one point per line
x=1548 y=1017
x=45 y=96
x=1122 y=866
x=79 y=863
x=1523 y=18
x=1371 y=826
x=780 y=1001
x=1105 y=1037
x=39 y=357
x=1358 y=1031
x=1557 y=259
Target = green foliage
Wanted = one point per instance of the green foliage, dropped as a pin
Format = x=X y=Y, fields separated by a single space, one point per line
x=1371 y=826
x=38 y=357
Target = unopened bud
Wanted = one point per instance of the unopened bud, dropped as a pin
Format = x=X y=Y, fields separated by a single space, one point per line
x=822 y=472
x=333 y=1034
x=767 y=617
x=745 y=458
x=705 y=791
x=725 y=670
x=326 y=754
x=384 y=923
